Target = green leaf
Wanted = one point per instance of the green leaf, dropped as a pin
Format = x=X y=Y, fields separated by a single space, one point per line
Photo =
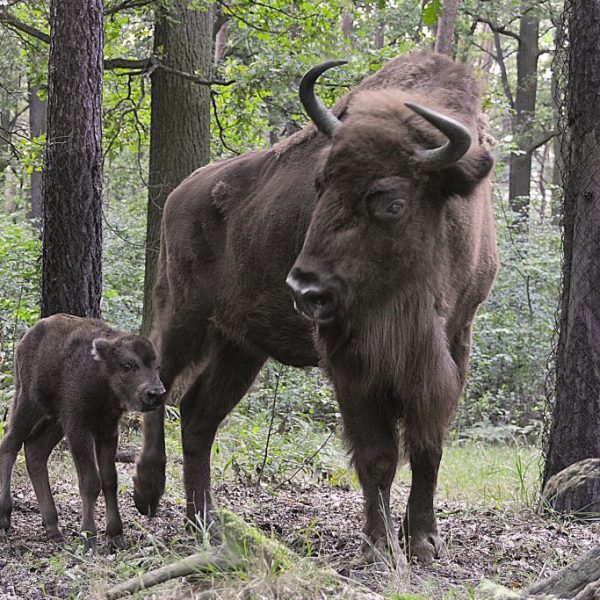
x=432 y=12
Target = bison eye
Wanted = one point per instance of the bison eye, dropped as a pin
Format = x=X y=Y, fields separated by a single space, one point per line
x=395 y=207
x=388 y=209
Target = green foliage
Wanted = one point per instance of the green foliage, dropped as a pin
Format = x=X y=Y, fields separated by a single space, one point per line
x=514 y=329
x=19 y=290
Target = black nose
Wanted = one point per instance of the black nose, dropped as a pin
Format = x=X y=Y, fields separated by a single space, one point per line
x=154 y=396
x=313 y=295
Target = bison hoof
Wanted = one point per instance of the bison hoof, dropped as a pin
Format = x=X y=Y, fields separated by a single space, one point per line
x=116 y=542
x=425 y=549
x=56 y=536
x=5 y=519
x=383 y=551
x=149 y=485
x=89 y=539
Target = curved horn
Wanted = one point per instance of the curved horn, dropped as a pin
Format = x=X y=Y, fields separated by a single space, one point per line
x=321 y=116
x=459 y=139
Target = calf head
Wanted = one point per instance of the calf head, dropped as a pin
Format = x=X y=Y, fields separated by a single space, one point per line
x=130 y=364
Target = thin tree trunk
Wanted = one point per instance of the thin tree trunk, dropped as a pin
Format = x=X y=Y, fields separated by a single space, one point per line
x=37 y=126
x=444 y=37
x=180 y=126
x=72 y=220
x=576 y=417
x=525 y=99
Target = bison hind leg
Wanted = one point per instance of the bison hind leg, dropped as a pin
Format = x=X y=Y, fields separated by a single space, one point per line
x=37 y=451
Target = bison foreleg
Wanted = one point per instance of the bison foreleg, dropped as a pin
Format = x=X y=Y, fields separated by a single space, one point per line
x=420 y=527
x=149 y=478
x=374 y=445
x=106 y=449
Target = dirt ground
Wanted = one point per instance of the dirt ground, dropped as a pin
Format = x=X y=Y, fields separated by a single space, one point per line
x=514 y=548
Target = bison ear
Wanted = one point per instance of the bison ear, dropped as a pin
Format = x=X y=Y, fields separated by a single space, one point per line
x=462 y=177
x=100 y=349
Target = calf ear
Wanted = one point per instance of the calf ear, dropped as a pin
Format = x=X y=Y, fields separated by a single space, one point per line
x=462 y=177
x=100 y=349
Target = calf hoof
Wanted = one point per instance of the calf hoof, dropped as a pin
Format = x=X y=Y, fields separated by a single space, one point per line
x=426 y=548
x=149 y=486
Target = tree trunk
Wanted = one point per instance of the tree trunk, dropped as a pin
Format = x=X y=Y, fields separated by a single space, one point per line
x=37 y=126
x=180 y=126
x=525 y=98
x=72 y=219
x=576 y=417
x=444 y=37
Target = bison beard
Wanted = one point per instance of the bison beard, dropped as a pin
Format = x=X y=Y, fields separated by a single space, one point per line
x=389 y=259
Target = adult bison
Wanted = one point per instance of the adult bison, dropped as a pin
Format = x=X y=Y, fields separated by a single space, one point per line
x=380 y=219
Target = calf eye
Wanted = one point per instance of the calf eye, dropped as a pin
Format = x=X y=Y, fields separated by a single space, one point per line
x=126 y=366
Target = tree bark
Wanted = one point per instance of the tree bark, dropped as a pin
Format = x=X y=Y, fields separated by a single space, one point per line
x=37 y=126
x=525 y=99
x=180 y=113
x=72 y=216
x=576 y=416
x=444 y=37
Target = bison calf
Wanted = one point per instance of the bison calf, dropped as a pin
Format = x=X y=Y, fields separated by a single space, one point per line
x=75 y=377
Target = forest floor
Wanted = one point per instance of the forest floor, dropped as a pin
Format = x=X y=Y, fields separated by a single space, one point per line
x=495 y=536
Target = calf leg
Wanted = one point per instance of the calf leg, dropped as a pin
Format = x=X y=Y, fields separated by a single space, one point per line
x=22 y=420
x=373 y=439
x=81 y=444
x=226 y=375
x=106 y=449
x=37 y=450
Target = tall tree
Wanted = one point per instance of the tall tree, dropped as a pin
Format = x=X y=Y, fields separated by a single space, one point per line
x=576 y=419
x=180 y=121
x=72 y=221
x=524 y=106
x=444 y=37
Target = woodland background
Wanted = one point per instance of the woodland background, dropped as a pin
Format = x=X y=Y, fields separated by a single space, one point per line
x=186 y=83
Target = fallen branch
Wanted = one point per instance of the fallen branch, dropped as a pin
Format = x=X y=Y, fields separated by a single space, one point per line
x=196 y=563
x=243 y=547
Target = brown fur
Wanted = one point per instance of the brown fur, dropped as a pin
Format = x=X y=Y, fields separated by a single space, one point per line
x=405 y=291
x=75 y=377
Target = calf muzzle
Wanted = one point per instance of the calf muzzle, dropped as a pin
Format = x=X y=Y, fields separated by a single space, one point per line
x=153 y=397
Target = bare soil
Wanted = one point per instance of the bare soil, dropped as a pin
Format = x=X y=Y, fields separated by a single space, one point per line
x=511 y=547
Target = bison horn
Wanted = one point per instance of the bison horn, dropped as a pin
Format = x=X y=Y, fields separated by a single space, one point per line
x=321 y=116
x=459 y=139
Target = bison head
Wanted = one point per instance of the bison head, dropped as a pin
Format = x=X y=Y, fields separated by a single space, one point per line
x=384 y=185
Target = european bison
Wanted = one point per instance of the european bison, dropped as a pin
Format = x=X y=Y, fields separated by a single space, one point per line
x=380 y=219
x=75 y=377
